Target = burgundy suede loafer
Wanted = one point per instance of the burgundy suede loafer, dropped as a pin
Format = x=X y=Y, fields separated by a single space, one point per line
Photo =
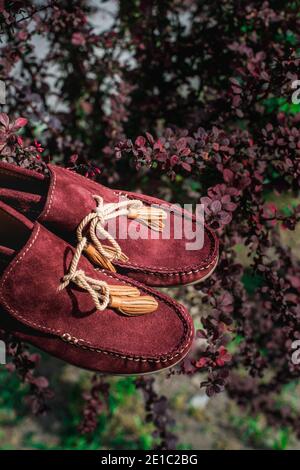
x=52 y=297
x=142 y=237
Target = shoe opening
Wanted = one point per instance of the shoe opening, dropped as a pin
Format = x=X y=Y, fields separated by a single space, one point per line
x=14 y=233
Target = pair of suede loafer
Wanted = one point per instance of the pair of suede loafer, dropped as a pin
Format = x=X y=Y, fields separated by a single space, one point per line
x=75 y=290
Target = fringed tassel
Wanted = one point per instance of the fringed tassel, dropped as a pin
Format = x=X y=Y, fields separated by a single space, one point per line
x=98 y=259
x=153 y=217
x=104 y=261
x=134 y=306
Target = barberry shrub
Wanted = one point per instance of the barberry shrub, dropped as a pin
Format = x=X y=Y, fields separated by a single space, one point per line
x=191 y=100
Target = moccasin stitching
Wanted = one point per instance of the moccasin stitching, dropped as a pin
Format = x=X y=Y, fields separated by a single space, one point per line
x=52 y=189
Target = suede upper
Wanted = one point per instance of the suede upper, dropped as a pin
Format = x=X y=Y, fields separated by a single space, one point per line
x=67 y=323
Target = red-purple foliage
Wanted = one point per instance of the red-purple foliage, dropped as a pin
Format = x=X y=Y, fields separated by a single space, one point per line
x=23 y=364
x=199 y=92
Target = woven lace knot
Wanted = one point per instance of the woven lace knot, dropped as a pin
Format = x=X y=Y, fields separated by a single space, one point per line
x=105 y=255
x=126 y=299
x=98 y=290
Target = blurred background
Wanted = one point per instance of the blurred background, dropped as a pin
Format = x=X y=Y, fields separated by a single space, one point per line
x=195 y=102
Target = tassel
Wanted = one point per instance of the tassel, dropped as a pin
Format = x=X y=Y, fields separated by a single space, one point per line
x=98 y=258
x=123 y=291
x=134 y=306
x=153 y=217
